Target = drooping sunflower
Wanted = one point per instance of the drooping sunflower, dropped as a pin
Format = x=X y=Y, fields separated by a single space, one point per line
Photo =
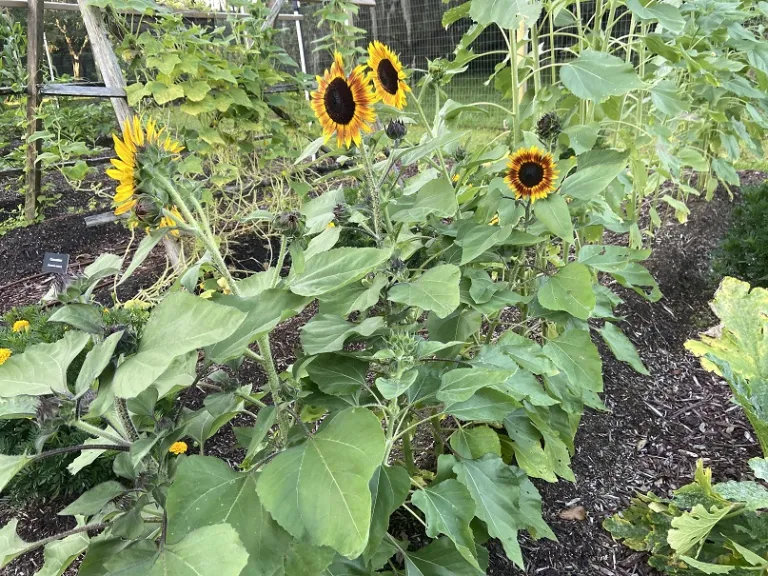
x=129 y=149
x=344 y=104
x=387 y=75
x=531 y=173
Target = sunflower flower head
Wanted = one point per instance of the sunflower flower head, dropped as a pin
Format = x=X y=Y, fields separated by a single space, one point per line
x=5 y=353
x=344 y=104
x=21 y=326
x=140 y=153
x=531 y=174
x=387 y=75
x=178 y=448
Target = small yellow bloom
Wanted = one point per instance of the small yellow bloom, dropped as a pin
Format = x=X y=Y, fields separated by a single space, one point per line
x=331 y=225
x=136 y=305
x=21 y=326
x=178 y=448
x=455 y=178
x=4 y=355
x=224 y=285
x=494 y=220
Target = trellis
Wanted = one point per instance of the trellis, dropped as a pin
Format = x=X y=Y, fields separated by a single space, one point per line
x=113 y=86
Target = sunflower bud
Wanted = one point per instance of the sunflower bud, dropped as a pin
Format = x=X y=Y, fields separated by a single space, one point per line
x=289 y=223
x=339 y=212
x=548 y=127
x=396 y=130
x=460 y=153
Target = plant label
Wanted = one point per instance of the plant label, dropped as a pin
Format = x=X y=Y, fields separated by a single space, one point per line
x=55 y=263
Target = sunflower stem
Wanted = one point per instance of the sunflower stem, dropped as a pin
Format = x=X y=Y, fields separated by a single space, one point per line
x=375 y=198
x=428 y=127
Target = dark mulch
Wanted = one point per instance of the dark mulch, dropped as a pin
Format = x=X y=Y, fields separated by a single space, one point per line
x=650 y=439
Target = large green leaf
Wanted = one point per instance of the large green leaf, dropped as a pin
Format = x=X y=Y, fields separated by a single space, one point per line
x=441 y=558
x=11 y=546
x=577 y=356
x=475 y=239
x=622 y=347
x=263 y=313
x=338 y=375
x=474 y=443
x=505 y=13
x=97 y=359
x=318 y=491
x=743 y=339
x=180 y=324
x=570 y=290
x=336 y=268
x=436 y=290
x=206 y=491
x=593 y=177
x=460 y=384
x=435 y=198
x=598 y=75
x=356 y=297
x=506 y=501
x=692 y=527
x=95 y=499
x=42 y=368
x=60 y=554
x=83 y=317
x=663 y=12
x=554 y=214
x=326 y=333
x=448 y=508
x=10 y=466
x=389 y=489
x=485 y=405
x=209 y=550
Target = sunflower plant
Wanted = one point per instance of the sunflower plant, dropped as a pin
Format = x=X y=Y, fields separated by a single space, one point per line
x=448 y=362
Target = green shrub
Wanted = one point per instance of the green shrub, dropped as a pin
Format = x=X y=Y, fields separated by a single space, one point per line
x=743 y=253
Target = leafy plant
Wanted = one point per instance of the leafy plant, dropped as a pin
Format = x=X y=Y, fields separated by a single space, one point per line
x=742 y=252
x=720 y=528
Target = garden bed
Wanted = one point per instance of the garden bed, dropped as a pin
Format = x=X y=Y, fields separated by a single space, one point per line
x=657 y=427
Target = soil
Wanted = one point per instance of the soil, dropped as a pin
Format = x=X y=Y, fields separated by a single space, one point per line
x=654 y=431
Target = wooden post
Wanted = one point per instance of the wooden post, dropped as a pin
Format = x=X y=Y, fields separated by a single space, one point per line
x=34 y=49
x=105 y=59
x=274 y=12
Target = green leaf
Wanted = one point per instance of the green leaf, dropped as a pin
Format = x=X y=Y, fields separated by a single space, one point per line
x=436 y=198
x=96 y=361
x=42 y=368
x=10 y=466
x=164 y=94
x=196 y=90
x=460 y=384
x=436 y=290
x=19 y=407
x=389 y=489
x=208 y=550
x=753 y=495
x=323 y=242
x=391 y=388
x=693 y=527
x=455 y=14
x=441 y=558
x=506 y=501
x=338 y=375
x=663 y=12
x=622 y=347
x=577 y=356
x=60 y=554
x=505 y=13
x=263 y=313
x=590 y=180
x=353 y=297
x=706 y=567
x=146 y=246
x=474 y=443
x=326 y=333
x=448 y=508
x=598 y=75
x=94 y=500
x=457 y=327
x=485 y=405
x=319 y=491
x=180 y=324
x=759 y=467
x=570 y=290
x=554 y=214
x=475 y=239
x=666 y=97
x=83 y=317
x=336 y=268
x=11 y=546
x=206 y=492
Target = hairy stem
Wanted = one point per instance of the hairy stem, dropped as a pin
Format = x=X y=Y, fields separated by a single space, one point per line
x=121 y=408
x=80 y=447
x=99 y=433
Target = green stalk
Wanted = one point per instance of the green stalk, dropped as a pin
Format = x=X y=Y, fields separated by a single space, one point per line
x=552 y=51
x=280 y=260
x=121 y=408
x=99 y=433
x=535 y=55
x=375 y=199
x=428 y=128
x=515 y=84
x=408 y=455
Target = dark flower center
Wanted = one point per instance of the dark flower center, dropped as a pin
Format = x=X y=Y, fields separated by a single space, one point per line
x=531 y=174
x=388 y=76
x=340 y=102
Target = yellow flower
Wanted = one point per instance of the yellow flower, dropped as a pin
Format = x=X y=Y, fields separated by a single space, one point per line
x=531 y=173
x=126 y=165
x=455 y=178
x=136 y=305
x=224 y=285
x=494 y=220
x=178 y=448
x=4 y=355
x=344 y=104
x=21 y=326
x=331 y=225
x=387 y=75
x=168 y=222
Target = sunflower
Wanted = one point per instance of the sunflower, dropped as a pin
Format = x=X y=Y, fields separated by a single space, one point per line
x=134 y=141
x=343 y=104
x=531 y=173
x=387 y=75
